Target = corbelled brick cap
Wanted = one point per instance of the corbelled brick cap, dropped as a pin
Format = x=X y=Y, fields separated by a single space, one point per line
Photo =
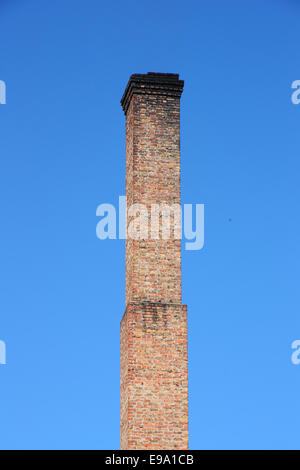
x=167 y=84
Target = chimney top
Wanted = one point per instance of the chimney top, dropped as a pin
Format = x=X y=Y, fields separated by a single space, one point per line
x=167 y=84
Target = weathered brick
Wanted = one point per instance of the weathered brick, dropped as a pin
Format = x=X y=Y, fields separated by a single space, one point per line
x=154 y=382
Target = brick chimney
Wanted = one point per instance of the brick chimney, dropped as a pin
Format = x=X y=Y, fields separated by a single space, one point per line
x=154 y=381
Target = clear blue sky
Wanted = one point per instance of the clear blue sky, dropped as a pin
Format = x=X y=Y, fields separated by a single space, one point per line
x=66 y=64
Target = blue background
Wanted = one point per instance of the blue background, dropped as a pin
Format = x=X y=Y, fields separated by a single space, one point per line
x=66 y=64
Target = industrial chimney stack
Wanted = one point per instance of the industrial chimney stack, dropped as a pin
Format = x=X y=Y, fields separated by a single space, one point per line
x=154 y=376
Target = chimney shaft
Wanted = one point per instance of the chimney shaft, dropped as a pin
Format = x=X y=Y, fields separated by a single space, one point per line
x=154 y=387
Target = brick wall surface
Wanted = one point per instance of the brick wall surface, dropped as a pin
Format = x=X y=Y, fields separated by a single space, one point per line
x=154 y=381
x=154 y=402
